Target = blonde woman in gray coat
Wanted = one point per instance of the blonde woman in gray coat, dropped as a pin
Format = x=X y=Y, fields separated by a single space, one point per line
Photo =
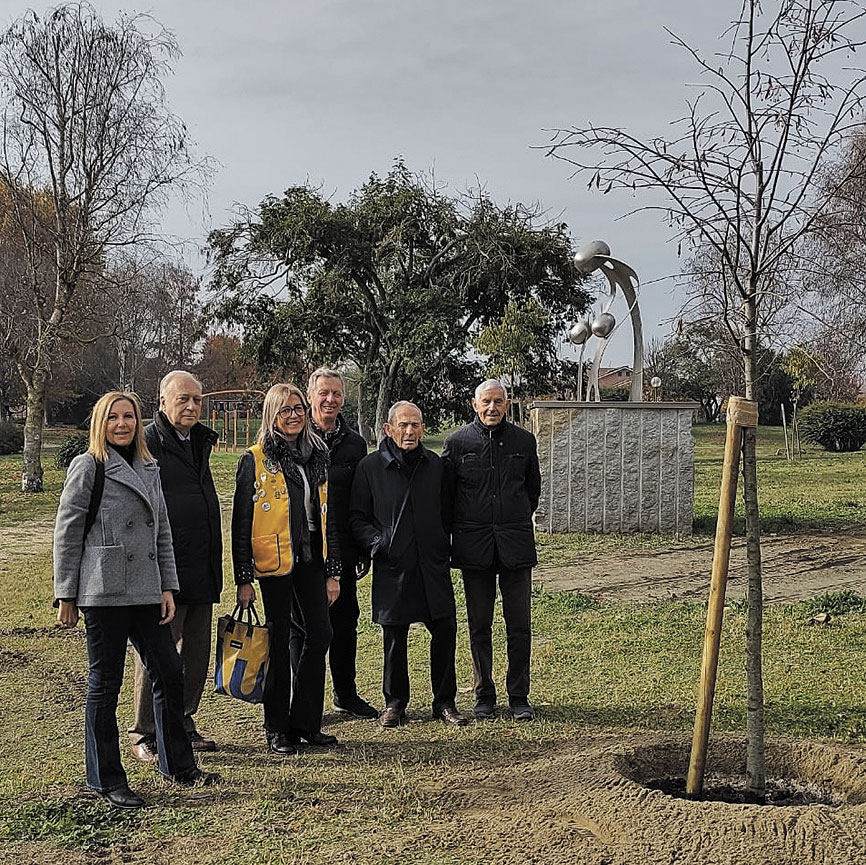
x=121 y=576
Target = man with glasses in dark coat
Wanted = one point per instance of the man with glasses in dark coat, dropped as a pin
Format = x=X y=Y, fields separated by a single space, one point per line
x=182 y=446
x=494 y=483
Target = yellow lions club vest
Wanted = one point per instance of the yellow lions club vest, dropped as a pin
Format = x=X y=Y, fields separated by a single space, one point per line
x=271 y=534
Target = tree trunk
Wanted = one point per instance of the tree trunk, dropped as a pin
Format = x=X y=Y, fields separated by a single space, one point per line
x=755 y=770
x=385 y=397
x=31 y=462
x=363 y=423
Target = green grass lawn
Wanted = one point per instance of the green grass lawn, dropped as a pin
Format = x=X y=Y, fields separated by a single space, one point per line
x=595 y=668
x=820 y=491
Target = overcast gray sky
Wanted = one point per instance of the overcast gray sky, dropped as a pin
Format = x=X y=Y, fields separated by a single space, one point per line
x=282 y=92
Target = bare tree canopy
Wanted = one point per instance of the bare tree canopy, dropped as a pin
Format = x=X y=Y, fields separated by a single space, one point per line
x=743 y=183
x=90 y=152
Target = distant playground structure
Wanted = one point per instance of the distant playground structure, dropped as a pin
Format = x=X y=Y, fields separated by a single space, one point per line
x=235 y=415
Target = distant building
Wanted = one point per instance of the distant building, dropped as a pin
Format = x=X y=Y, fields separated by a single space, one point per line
x=614 y=377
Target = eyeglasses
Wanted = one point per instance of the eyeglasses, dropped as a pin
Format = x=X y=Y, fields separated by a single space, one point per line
x=290 y=410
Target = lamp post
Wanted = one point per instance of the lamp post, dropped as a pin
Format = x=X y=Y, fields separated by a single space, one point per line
x=589 y=258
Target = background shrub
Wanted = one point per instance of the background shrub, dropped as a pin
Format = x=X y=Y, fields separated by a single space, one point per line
x=836 y=427
x=11 y=438
x=71 y=447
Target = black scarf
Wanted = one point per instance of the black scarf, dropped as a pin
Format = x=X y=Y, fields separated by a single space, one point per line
x=294 y=457
x=331 y=437
x=407 y=459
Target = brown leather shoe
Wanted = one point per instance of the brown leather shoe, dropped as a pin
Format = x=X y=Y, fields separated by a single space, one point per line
x=450 y=715
x=201 y=743
x=145 y=751
x=392 y=717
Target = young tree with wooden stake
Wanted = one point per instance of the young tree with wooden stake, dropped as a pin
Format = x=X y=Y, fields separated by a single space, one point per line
x=86 y=136
x=742 y=180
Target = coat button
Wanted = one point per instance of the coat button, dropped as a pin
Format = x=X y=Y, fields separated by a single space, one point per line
x=130 y=557
x=151 y=555
x=150 y=523
x=129 y=524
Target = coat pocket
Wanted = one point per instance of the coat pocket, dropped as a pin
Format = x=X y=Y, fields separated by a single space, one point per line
x=266 y=554
x=103 y=571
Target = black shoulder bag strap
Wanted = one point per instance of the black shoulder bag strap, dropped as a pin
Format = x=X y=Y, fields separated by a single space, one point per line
x=403 y=505
x=95 y=498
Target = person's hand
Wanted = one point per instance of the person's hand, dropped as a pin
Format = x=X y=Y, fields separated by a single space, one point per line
x=333 y=587
x=166 y=608
x=67 y=614
x=246 y=595
x=362 y=568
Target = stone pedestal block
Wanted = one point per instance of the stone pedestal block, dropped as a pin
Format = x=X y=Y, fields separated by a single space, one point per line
x=615 y=466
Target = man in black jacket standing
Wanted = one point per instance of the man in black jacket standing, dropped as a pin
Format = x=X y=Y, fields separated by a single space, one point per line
x=494 y=483
x=396 y=516
x=182 y=446
x=325 y=392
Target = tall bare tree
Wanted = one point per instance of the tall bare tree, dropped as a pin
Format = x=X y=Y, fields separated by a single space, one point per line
x=88 y=136
x=150 y=311
x=742 y=183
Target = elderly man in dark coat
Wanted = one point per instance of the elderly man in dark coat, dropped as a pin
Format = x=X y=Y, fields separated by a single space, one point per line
x=396 y=516
x=182 y=447
x=494 y=483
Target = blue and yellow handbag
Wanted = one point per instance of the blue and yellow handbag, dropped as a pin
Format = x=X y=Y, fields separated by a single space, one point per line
x=242 y=655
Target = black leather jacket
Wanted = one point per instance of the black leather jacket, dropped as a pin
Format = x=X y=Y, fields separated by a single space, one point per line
x=493 y=485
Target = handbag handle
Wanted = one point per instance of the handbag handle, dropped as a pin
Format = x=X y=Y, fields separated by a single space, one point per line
x=238 y=614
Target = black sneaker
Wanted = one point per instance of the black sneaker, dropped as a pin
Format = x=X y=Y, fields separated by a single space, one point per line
x=485 y=711
x=521 y=710
x=356 y=707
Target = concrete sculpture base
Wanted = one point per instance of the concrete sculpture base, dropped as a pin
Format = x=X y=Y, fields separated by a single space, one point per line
x=615 y=466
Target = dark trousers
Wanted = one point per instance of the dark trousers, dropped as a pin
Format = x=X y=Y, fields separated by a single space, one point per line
x=191 y=633
x=343 y=652
x=515 y=587
x=294 y=694
x=443 y=678
x=108 y=629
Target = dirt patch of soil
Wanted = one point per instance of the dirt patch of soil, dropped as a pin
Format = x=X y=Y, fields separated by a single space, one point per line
x=26 y=539
x=795 y=568
x=582 y=804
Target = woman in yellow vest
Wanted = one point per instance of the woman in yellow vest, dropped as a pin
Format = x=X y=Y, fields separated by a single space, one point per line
x=281 y=537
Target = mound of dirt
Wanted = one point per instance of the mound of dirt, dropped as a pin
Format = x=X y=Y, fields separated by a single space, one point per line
x=583 y=804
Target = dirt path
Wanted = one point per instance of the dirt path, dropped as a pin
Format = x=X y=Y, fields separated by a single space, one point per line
x=795 y=567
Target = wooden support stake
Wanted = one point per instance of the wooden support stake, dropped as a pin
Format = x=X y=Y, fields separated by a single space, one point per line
x=235 y=431
x=785 y=433
x=741 y=413
x=248 y=429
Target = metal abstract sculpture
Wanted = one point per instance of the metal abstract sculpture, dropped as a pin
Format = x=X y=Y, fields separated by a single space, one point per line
x=596 y=256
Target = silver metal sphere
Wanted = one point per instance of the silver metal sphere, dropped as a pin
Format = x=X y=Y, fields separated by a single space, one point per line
x=603 y=324
x=583 y=258
x=655 y=381
x=580 y=333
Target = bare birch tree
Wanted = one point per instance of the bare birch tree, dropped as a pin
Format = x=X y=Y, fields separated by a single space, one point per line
x=741 y=177
x=87 y=133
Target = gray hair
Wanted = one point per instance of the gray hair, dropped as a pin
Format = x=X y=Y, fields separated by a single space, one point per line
x=323 y=372
x=398 y=405
x=490 y=384
x=169 y=378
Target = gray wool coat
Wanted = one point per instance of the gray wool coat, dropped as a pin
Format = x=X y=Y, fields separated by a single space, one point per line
x=127 y=557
